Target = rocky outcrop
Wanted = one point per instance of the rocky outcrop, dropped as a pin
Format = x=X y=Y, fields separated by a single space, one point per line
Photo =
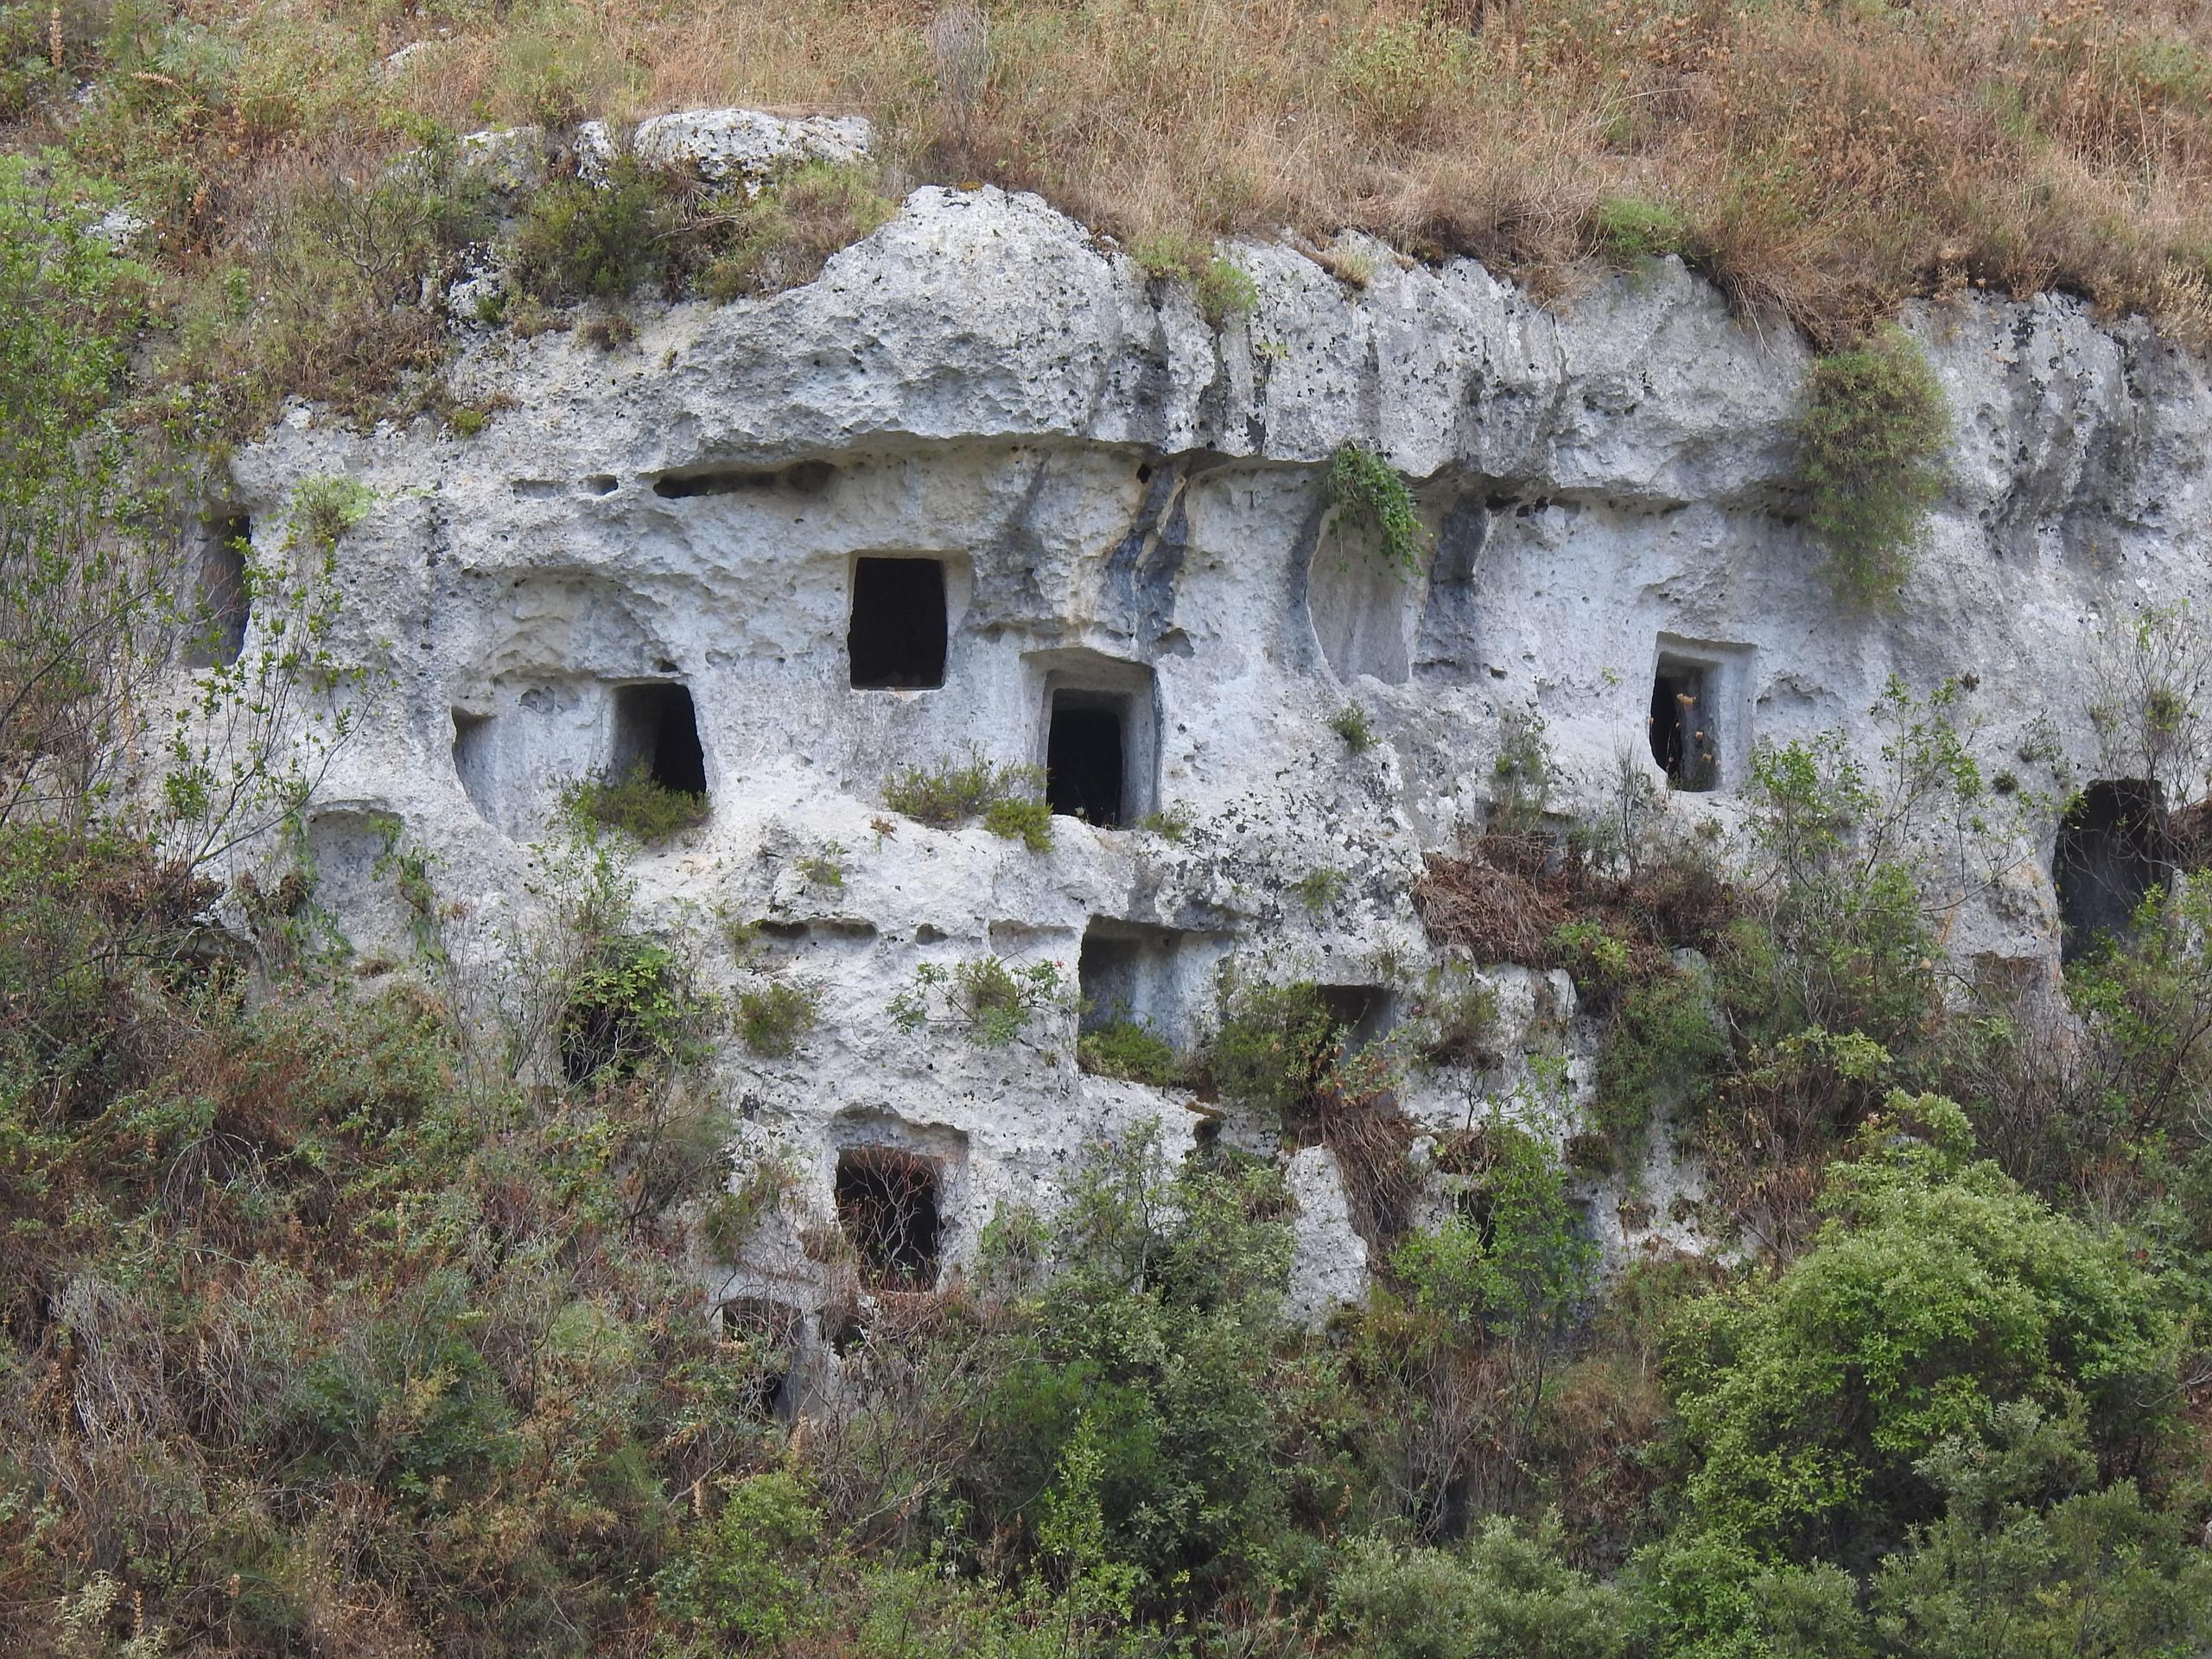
x=1127 y=508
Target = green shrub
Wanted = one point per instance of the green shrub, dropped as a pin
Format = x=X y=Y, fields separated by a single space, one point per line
x=324 y=509
x=1398 y=73
x=784 y=236
x=1222 y=289
x=1320 y=888
x=1600 y=960
x=584 y=241
x=776 y=1017
x=992 y=1000
x=1509 y=1596
x=748 y=1576
x=1871 y=446
x=1029 y=822
x=1632 y=229
x=1169 y=823
x=1454 y=1021
x=1514 y=1254
x=1369 y=491
x=623 y=1010
x=955 y=791
x=1662 y=1048
x=1270 y=1046
x=2097 y=1573
x=1937 y=1295
x=1131 y=1051
x=1139 y=1426
x=1351 y=723
x=636 y=804
x=1225 y=292
x=825 y=869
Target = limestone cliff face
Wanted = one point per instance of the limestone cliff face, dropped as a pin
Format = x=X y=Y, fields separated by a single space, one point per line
x=1128 y=510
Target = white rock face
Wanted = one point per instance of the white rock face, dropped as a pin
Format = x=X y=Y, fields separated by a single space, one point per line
x=1127 y=510
x=730 y=146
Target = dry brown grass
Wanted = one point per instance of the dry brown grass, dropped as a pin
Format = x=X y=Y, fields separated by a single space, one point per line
x=1826 y=157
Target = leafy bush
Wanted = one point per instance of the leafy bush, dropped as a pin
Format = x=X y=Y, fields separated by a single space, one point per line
x=1513 y=1253
x=1600 y=959
x=1871 y=446
x=1138 y=1427
x=1351 y=723
x=1009 y=799
x=1169 y=823
x=1937 y=1295
x=1399 y=73
x=1509 y=1596
x=776 y=1017
x=2097 y=1573
x=637 y=803
x=992 y=1000
x=1223 y=290
x=1029 y=822
x=746 y=1577
x=1663 y=1046
x=1320 y=888
x=1454 y=1019
x=585 y=240
x=1369 y=491
x=1270 y=1046
x=782 y=237
x=623 y=1010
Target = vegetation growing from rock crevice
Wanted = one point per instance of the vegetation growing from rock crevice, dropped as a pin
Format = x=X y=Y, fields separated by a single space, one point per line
x=1369 y=491
x=1009 y=799
x=637 y=803
x=1871 y=446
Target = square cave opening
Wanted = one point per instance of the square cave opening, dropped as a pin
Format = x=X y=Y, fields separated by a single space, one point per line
x=896 y=637
x=888 y=1205
x=773 y=1331
x=225 y=593
x=1102 y=735
x=655 y=724
x=2111 y=851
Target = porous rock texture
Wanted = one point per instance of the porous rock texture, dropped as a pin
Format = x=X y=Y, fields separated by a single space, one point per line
x=1129 y=500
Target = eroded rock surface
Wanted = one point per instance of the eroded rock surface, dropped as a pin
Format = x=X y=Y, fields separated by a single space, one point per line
x=1128 y=512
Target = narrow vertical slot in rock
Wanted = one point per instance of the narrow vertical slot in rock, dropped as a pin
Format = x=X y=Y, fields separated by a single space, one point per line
x=1683 y=740
x=1363 y=1013
x=225 y=595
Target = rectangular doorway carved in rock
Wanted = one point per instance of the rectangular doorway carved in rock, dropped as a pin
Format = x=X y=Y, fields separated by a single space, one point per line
x=887 y=1205
x=1101 y=737
x=1698 y=724
x=1681 y=737
x=656 y=726
x=225 y=593
x=1085 y=762
x=896 y=639
x=2113 y=848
